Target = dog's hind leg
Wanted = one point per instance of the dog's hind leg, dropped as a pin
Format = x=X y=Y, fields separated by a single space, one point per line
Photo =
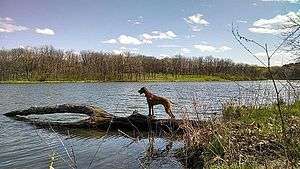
x=169 y=112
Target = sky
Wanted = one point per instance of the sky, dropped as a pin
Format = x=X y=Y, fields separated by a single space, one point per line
x=160 y=28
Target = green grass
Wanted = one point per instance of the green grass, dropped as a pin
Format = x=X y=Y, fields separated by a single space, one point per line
x=154 y=78
x=267 y=117
x=183 y=78
x=248 y=137
x=235 y=166
x=264 y=123
x=51 y=81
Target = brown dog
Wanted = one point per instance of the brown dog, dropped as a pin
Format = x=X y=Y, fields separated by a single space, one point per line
x=155 y=100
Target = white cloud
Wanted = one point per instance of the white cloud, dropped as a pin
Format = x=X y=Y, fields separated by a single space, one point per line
x=276 y=21
x=129 y=40
x=290 y=1
x=117 y=52
x=110 y=41
x=265 y=30
x=209 y=48
x=145 y=38
x=137 y=21
x=169 y=46
x=8 y=19
x=123 y=50
x=206 y=48
x=224 y=48
x=163 y=56
x=45 y=31
x=185 y=50
x=278 y=59
x=189 y=36
x=125 y=40
x=134 y=22
x=196 y=22
x=241 y=21
x=171 y=34
x=204 y=42
x=275 y=25
x=8 y=25
x=159 y=35
x=25 y=47
x=147 y=41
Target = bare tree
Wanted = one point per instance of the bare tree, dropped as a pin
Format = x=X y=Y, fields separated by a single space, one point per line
x=288 y=41
x=47 y=63
x=291 y=33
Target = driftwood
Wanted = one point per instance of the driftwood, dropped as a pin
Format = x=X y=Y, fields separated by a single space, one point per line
x=98 y=119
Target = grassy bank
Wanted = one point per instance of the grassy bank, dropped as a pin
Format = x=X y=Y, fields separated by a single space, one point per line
x=50 y=81
x=246 y=137
x=183 y=78
x=154 y=78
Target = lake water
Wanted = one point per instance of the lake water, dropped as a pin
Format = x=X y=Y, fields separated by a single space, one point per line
x=24 y=146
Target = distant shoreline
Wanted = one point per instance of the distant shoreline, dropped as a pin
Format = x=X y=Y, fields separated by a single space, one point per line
x=211 y=79
x=147 y=81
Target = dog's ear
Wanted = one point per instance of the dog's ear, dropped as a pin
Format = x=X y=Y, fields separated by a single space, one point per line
x=142 y=90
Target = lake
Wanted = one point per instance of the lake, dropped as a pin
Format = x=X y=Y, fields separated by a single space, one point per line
x=24 y=146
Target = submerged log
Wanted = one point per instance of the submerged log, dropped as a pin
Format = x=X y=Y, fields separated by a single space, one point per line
x=97 y=118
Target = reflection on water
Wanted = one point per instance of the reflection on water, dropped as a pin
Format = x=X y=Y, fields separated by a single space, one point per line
x=25 y=146
x=105 y=150
x=159 y=156
x=68 y=118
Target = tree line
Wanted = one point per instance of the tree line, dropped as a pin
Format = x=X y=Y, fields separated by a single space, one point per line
x=50 y=64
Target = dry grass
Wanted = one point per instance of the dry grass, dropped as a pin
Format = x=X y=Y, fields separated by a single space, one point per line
x=246 y=137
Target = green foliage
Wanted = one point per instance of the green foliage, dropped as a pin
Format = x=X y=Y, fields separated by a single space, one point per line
x=268 y=124
x=251 y=137
x=292 y=70
x=246 y=165
x=155 y=78
x=215 y=149
x=260 y=114
x=267 y=117
x=49 y=64
x=183 y=78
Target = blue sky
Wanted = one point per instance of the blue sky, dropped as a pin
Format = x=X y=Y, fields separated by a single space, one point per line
x=152 y=27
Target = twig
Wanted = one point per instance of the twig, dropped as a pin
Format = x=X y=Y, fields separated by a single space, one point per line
x=98 y=148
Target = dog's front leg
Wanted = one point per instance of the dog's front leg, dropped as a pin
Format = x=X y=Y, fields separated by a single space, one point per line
x=152 y=111
x=149 y=110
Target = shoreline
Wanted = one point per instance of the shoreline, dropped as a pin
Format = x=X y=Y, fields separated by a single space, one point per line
x=150 y=81
x=180 y=79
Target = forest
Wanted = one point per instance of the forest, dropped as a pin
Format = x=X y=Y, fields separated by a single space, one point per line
x=49 y=64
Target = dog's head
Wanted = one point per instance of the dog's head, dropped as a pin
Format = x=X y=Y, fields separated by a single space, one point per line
x=142 y=90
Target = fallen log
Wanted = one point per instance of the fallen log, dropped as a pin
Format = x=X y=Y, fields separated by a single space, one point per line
x=97 y=118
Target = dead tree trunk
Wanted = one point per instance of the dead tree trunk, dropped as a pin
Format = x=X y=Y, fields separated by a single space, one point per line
x=99 y=119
